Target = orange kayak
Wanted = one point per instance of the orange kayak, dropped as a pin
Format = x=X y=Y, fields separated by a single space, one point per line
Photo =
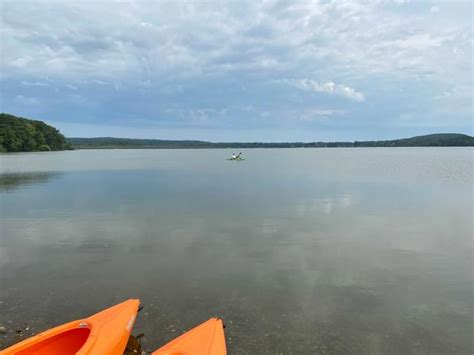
x=205 y=339
x=106 y=332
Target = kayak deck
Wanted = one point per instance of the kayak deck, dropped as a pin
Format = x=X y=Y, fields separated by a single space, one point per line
x=206 y=339
x=106 y=332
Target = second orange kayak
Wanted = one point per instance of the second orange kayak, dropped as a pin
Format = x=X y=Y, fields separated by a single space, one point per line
x=205 y=339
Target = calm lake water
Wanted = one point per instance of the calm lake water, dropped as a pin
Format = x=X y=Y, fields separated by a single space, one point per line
x=300 y=251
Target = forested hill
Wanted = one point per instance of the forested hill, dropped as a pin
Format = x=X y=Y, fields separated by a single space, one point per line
x=18 y=134
x=432 y=140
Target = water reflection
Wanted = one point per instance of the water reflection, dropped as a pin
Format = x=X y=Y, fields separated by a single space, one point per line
x=295 y=262
x=12 y=181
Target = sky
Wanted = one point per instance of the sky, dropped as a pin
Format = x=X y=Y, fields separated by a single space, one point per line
x=240 y=70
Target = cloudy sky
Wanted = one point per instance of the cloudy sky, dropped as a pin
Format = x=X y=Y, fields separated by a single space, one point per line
x=238 y=70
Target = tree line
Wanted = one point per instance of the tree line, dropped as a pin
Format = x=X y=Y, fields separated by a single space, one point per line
x=432 y=140
x=18 y=134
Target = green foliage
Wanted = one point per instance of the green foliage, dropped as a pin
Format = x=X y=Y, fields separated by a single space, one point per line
x=19 y=134
x=432 y=140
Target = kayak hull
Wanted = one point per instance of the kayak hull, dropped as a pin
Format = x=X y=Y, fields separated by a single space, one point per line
x=206 y=339
x=106 y=332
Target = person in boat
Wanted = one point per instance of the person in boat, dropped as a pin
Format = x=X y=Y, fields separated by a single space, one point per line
x=238 y=156
x=233 y=156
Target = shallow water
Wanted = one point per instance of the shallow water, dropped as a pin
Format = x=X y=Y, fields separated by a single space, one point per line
x=300 y=251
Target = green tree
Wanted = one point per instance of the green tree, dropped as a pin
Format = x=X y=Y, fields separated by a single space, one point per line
x=19 y=134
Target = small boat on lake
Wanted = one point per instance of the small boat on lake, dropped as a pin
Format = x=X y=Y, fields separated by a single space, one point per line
x=236 y=157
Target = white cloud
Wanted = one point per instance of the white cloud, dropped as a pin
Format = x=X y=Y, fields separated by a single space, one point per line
x=420 y=41
x=141 y=38
x=33 y=83
x=316 y=114
x=165 y=49
x=328 y=88
x=25 y=100
x=199 y=116
x=20 y=62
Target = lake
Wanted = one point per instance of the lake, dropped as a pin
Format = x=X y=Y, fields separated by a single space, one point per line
x=300 y=251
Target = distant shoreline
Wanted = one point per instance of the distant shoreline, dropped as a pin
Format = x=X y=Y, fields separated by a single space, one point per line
x=19 y=134
x=225 y=148
x=432 y=140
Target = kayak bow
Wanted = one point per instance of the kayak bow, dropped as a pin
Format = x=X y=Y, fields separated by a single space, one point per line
x=205 y=339
x=106 y=332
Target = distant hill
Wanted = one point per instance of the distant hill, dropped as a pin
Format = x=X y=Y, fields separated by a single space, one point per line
x=18 y=134
x=432 y=140
x=123 y=143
